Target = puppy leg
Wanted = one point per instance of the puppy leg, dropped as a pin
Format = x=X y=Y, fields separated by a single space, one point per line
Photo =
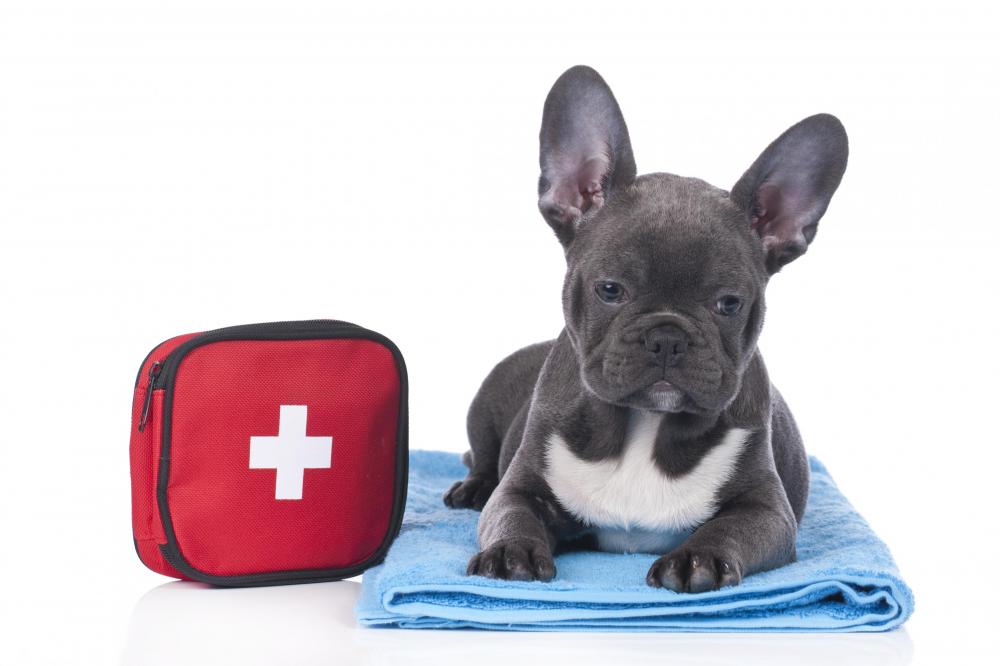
x=755 y=532
x=495 y=423
x=515 y=542
x=473 y=491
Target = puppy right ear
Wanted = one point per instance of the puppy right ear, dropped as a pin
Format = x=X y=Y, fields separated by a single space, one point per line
x=586 y=156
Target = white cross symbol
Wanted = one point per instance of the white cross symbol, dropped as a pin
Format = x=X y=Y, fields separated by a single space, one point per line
x=291 y=452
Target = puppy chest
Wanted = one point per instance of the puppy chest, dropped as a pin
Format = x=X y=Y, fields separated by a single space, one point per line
x=630 y=492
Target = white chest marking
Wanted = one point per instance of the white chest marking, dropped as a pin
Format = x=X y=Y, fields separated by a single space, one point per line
x=630 y=492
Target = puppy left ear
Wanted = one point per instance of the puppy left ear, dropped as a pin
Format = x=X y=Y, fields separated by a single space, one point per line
x=786 y=191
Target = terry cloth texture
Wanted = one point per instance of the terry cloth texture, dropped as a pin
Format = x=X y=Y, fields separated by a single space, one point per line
x=844 y=579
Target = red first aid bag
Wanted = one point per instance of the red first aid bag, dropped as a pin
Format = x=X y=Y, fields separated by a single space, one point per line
x=269 y=453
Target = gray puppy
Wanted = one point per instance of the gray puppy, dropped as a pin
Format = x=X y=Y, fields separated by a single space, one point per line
x=650 y=424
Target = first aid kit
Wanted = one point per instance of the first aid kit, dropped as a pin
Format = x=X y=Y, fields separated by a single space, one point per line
x=269 y=453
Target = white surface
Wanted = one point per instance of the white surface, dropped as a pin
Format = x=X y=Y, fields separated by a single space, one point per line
x=313 y=624
x=175 y=166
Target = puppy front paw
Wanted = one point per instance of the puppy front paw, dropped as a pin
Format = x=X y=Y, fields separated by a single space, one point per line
x=470 y=493
x=514 y=560
x=694 y=570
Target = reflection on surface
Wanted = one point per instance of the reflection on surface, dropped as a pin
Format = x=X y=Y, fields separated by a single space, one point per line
x=189 y=623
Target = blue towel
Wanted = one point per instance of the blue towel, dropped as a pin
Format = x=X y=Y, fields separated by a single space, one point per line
x=844 y=580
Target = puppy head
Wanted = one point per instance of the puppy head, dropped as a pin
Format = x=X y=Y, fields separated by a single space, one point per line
x=664 y=289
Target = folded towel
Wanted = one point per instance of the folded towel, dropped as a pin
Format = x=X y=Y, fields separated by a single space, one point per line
x=844 y=579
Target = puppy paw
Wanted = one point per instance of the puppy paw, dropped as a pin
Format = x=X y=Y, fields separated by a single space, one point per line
x=470 y=493
x=694 y=570
x=514 y=560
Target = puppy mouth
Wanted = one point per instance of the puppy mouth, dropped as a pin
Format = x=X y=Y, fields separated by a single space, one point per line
x=663 y=396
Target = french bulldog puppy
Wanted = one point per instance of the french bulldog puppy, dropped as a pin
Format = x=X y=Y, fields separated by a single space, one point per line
x=650 y=424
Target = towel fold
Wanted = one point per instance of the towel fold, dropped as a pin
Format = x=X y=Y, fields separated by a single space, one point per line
x=844 y=579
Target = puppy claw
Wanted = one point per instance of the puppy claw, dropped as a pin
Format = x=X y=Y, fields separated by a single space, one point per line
x=542 y=564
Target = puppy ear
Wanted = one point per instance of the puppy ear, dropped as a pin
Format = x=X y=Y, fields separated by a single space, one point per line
x=786 y=191
x=585 y=155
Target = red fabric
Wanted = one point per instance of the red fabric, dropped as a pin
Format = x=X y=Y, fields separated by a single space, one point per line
x=225 y=515
x=149 y=553
x=144 y=452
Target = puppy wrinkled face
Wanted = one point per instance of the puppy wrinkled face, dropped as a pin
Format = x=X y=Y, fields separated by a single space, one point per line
x=664 y=296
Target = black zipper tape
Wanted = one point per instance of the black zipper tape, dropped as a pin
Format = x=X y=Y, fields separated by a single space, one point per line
x=316 y=329
x=279 y=330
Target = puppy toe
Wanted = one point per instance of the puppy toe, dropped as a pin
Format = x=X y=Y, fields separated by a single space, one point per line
x=449 y=496
x=473 y=568
x=668 y=572
x=728 y=573
x=702 y=576
x=543 y=566
x=517 y=563
x=490 y=564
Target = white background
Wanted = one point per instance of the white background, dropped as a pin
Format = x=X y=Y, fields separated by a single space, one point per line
x=174 y=166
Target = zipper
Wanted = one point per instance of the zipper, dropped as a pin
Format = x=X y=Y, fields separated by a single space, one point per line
x=282 y=330
x=154 y=371
x=161 y=373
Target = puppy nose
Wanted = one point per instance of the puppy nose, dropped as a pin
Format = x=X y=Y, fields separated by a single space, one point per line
x=667 y=343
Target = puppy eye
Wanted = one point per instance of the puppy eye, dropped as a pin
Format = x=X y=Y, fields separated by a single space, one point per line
x=728 y=305
x=610 y=292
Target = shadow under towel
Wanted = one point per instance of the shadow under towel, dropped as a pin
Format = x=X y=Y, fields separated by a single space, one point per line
x=844 y=579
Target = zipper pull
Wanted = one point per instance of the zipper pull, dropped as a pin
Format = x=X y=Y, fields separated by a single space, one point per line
x=154 y=371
